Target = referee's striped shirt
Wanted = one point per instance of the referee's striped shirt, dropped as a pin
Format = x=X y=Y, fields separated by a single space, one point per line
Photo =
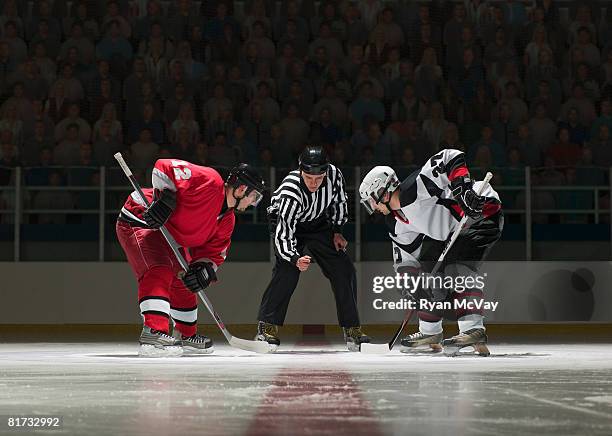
x=295 y=204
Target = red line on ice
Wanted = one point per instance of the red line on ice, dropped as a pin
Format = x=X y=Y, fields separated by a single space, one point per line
x=304 y=401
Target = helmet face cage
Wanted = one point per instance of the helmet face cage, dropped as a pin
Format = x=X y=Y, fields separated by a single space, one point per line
x=376 y=196
x=255 y=187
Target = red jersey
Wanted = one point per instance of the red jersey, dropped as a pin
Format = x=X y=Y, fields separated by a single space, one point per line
x=197 y=223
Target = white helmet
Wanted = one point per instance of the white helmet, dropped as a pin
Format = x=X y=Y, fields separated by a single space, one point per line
x=375 y=185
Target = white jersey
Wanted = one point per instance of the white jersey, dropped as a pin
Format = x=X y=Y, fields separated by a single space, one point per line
x=428 y=208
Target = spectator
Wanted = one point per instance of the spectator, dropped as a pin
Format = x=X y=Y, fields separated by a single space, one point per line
x=183 y=145
x=113 y=15
x=328 y=40
x=530 y=154
x=578 y=133
x=564 y=152
x=80 y=41
x=451 y=138
x=144 y=152
x=354 y=30
x=114 y=46
x=365 y=106
x=186 y=120
x=87 y=167
x=184 y=18
x=601 y=146
x=109 y=115
x=325 y=131
x=10 y=122
x=605 y=118
x=264 y=45
x=373 y=140
x=150 y=121
x=407 y=134
x=495 y=149
x=369 y=10
x=66 y=153
x=578 y=100
x=497 y=54
x=454 y=52
x=542 y=128
x=194 y=70
x=378 y=48
x=17 y=48
x=73 y=117
x=248 y=152
x=282 y=154
x=8 y=159
x=408 y=106
x=106 y=145
x=337 y=107
x=465 y=80
x=73 y=89
x=394 y=35
x=57 y=199
x=365 y=75
x=295 y=129
x=34 y=144
x=539 y=43
x=435 y=126
x=552 y=102
x=454 y=27
x=222 y=153
x=201 y=154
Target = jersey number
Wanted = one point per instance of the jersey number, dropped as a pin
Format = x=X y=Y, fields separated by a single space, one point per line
x=436 y=168
x=181 y=172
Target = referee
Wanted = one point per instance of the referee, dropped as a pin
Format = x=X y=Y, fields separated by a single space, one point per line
x=309 y=209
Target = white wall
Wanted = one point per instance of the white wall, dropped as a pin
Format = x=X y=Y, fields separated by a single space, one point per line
x=105 y=293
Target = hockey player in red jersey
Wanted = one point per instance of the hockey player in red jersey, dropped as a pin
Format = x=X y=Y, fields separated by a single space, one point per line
x=197 y=207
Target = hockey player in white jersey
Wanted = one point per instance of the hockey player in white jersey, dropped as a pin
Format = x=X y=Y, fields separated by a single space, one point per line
x=421 y=213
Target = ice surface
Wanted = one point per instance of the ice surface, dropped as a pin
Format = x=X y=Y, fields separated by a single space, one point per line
x=102 y=388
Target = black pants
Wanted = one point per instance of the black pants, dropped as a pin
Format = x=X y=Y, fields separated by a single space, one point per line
x=337 y=266
x=470 y=249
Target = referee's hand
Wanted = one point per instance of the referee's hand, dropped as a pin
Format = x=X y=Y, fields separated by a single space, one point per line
x=339 y=242
x=303 y=263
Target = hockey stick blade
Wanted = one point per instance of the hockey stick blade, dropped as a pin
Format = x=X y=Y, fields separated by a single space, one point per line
x=254 y=346
x=368 y=348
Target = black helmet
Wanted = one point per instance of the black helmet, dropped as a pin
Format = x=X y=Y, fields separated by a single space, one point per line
x=313 y=160
x=245 y=174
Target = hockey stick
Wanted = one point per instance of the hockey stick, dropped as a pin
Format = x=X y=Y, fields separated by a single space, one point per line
x=243 y=344
x=385 y=348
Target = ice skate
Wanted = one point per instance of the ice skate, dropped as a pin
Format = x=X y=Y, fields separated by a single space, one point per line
x=354 y=337
x=196 y=344
x=473 y=337
x=268 y=333
x=418 y=339
x=154 y=343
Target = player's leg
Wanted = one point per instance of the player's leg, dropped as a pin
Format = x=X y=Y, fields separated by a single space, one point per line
x=430 y=333
x=150 y=259
x=474 y=247
x=275 y=301
x=338 y=267
x=184 y=313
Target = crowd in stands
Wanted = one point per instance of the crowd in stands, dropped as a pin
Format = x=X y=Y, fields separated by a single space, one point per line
x=215 y=82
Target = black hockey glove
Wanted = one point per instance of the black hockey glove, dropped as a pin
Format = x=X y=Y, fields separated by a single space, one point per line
x=199 y=276
x=470 y=202
x=160 y=209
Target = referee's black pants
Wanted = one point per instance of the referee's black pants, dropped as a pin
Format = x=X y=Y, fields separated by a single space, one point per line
x=337 y=266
